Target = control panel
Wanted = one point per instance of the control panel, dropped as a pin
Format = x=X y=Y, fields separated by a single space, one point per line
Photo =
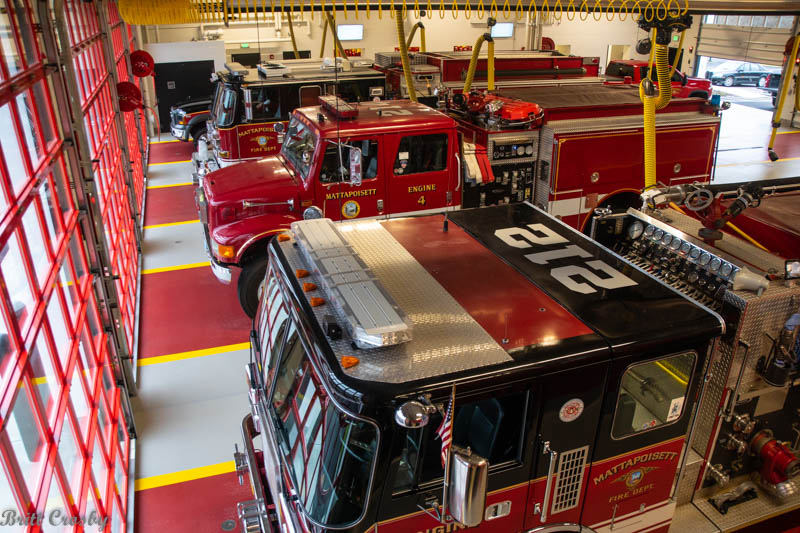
x=512 y=159
x=672 y=256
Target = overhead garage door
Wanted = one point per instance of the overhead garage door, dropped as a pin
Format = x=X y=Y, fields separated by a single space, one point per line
x=753 y=38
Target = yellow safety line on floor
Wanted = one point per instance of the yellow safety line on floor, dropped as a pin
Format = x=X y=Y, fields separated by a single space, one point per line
x=146 y=361
x=170 y=163
x=167 y=141
x=181 y=184
x=184 y=475
x=758 y=162
x=175 y=267
x=784 y=132
x=164 y=225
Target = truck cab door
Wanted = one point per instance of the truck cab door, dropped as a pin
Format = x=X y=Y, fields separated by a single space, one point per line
x=337 y=197
x=421 y=171
x=570 y=409
x=495 y=424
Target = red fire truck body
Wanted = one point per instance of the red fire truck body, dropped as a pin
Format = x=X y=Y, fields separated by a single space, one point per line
x=513 y=68
x=587 y=149
x=249 y=103
x=568 y=374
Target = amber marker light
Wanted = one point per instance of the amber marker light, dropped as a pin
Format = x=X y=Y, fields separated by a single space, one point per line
x=283 y=237
x=301 y=273
x=308 y=287
x=316 y=302
x=226 y=251
x=349 y=361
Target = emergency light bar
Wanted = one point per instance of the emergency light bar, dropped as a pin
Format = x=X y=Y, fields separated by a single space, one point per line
x=338 y=107
x=372 y=317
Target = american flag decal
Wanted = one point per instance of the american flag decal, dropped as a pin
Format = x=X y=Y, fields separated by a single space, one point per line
x=445 y=431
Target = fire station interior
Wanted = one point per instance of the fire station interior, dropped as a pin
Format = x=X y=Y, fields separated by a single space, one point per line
x=368 y=266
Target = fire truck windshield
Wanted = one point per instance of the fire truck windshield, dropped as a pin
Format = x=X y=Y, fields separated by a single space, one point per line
x=329 y=454
x=299 y=146
x=225 y=107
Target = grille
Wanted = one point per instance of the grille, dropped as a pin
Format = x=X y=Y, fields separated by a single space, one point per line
x=570 y=479
x=386 y=59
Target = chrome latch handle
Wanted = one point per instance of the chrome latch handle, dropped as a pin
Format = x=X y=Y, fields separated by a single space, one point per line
x=546 y=449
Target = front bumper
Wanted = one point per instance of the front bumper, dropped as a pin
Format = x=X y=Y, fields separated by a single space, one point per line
x=180 y=132
x=221 y=271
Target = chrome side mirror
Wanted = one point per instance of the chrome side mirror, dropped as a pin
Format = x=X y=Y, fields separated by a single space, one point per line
x=413 y=414
x=469 y=477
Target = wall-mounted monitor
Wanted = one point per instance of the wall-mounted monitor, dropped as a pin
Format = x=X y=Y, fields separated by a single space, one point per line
x=350 y=32
x=502 y=30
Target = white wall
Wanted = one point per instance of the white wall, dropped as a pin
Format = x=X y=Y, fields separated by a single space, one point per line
x=173 y=52
x=590 y=38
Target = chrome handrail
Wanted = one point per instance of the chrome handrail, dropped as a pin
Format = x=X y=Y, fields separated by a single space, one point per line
x=550 y=471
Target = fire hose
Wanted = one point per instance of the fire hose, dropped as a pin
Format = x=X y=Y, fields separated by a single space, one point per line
x=421 y=35
x=785 y=81
x=412 y=90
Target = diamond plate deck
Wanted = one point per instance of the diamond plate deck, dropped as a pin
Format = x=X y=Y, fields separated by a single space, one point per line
x=689 y=518
x=747 y=513
x=446 y=338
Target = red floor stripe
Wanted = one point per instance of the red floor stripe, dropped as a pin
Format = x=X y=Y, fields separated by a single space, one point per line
x=189 y=310
x=168 y=152
x=198 y=506
x=170 y=204
x=787 y=145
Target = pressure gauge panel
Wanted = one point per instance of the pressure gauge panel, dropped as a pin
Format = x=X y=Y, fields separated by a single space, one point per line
x=635 y=230
x=715 y=264
x=705 y=258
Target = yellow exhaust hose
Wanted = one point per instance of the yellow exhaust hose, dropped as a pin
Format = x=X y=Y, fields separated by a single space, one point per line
x=785 y=81
x=412 y=91
x=421 y=36
x=473 y=63
x=336 y=42
x=490 y=65
x=651 y=104
x=291 y=33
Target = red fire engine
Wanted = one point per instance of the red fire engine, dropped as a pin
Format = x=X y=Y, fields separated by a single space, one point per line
x=560 y=378
x=513 y=68
x=251 y=107
x=578 y=148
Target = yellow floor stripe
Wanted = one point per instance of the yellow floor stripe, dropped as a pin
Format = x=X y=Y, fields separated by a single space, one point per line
x=181 y=223
x=145 y=361
x=182 y=184
x=785 y=132
x=170 y=163
x=175 y=267
x=184 y=475
x=166 y=141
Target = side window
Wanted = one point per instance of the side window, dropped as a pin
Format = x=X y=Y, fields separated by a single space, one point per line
x=266 y=103
x=226 y=109
x=272 y=325
x=652 y=394
x=491 y=427
x=332 y=172
x=309 y=95
x=421 y=153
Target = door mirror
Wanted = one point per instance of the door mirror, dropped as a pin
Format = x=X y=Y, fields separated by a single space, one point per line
x=356 y=159
x=469 y=476
x=684 y=80
x=248 y=104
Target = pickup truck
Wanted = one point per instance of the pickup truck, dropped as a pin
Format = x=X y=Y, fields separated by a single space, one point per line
x=188 y=119
x=682 y=85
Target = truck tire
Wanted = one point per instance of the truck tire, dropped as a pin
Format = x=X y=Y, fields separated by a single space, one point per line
x=729 y=81
x=250 y=284
x=199 y=133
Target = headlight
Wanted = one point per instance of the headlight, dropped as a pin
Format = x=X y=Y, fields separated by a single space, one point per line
x=312 y=212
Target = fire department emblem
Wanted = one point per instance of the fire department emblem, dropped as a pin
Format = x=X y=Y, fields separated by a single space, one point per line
x=351 y=209
x=262 y=140
x=634 y=477
x=571 y=410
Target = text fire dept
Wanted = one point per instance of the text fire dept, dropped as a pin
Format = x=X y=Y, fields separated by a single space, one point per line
x=655 y=456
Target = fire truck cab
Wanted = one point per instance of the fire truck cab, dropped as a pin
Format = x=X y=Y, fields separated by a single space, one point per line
x=565 y=377
x=249 y=104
